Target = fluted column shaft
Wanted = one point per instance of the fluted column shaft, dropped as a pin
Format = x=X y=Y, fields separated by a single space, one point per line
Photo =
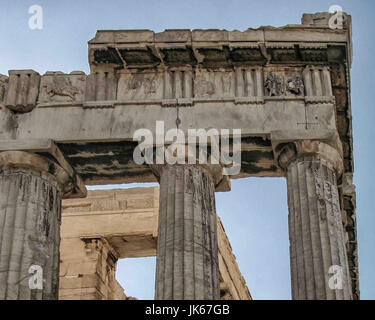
x=30 y=215
x=319 y=265
x=187 y=250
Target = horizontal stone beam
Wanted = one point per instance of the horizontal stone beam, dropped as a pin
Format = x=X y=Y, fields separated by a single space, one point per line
x=127 y=219
x=72 y=124
x=93 y=118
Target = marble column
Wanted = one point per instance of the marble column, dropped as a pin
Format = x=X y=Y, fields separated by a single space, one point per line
x=31 y=189
x=187 y=250
x=319 y=264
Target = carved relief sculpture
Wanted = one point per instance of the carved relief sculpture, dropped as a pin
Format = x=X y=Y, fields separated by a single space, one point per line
x=295 y=85
x=62 y=86
x=148 y=84
x=3 y=86
x=203 y=86
x=274 y=85
x=283 y=83
x=142 y=86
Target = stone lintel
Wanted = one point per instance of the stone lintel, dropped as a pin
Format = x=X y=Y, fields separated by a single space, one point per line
x=127 y=219
x=280 y=136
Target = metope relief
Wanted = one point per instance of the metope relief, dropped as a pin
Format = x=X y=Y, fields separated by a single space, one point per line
x=284 y=83
x=295 y=85
x=274 y=85
x=60 y=87
x=140 y=86
x=204 y=84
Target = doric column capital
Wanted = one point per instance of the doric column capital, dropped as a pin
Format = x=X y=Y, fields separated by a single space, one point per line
x=215 y=171
x=212 y=166
x=291 y=151
x=21 y=161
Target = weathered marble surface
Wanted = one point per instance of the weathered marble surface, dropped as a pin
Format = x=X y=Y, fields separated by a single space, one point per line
x=278 y=85
x=187 y=266
x=317 y=238
x=30 y=216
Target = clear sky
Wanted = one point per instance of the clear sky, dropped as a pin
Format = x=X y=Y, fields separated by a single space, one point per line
x=255 y=212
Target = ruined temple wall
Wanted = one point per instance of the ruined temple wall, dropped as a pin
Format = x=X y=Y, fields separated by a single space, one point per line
x=113 y=224
x=87 y=271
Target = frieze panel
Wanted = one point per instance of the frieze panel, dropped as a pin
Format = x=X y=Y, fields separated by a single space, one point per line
x=183 y=87
x=283 y=83
x=205 y=84
x=140 y=86
x=214 y=84
x=175 y=86
x=62 y=88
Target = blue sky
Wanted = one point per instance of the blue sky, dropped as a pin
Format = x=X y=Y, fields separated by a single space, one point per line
x=255 y=212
